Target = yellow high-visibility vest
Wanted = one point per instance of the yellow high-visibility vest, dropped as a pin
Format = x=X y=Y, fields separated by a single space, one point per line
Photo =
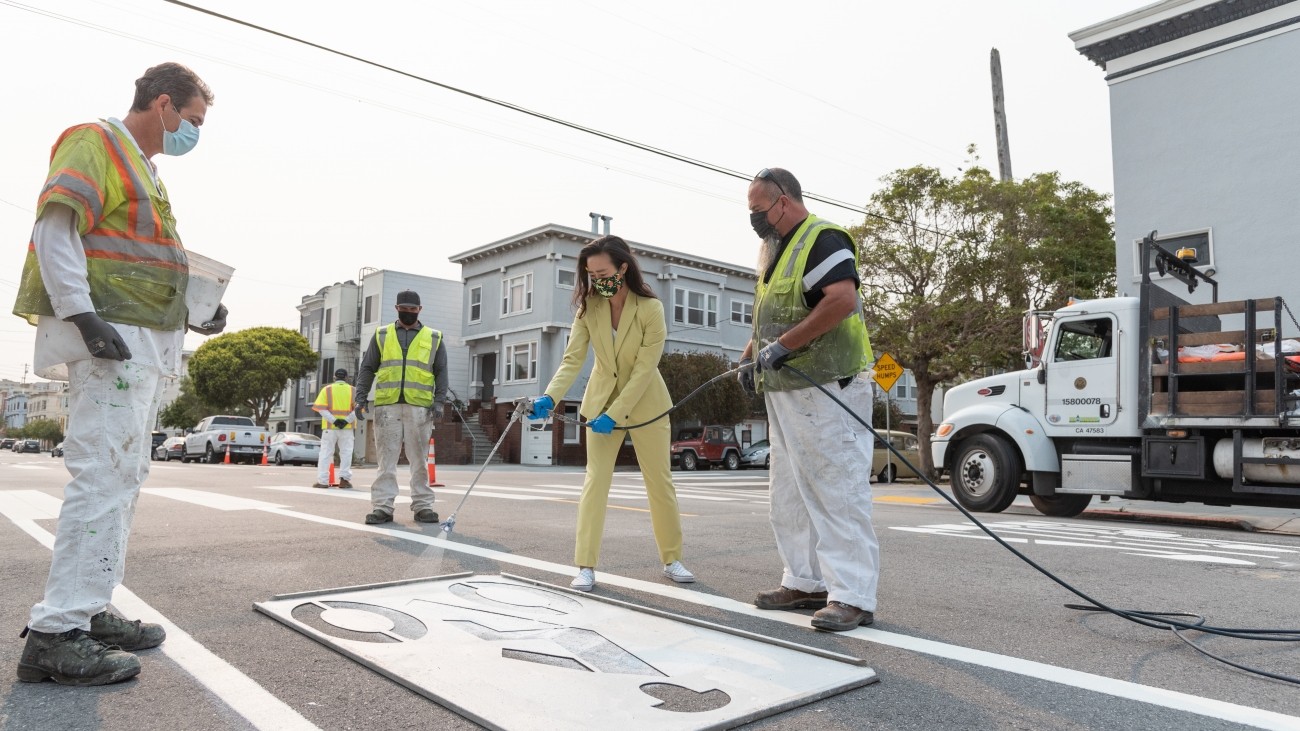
x=410 y=374
x=337 y=399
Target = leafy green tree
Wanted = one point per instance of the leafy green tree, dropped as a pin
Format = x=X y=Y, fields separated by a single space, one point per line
x=188 y=409
x=953 y=263
x=250 y=368
x=725 y=402
x=46 y=430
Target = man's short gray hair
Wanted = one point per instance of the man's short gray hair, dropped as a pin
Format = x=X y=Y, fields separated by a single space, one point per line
x=778 y=181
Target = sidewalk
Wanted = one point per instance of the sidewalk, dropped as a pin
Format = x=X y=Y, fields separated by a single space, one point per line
x=1278 y=521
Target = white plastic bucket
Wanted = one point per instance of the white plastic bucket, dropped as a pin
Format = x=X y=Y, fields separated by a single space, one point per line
x=207 y=285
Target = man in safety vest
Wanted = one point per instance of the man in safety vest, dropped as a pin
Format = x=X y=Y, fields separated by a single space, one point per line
x=334 y=404
x=808 y=315
x=407 y=364
x=104 y=282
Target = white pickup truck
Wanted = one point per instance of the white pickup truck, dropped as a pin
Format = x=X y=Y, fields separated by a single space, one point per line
x=216 y=434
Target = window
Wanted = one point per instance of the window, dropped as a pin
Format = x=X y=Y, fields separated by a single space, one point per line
x=314 y=338
x=517 y=294
x=572 y=430
x=327 y=371
x=302 y=388
x=1083 y=339
x=742 y=313
x=566 y=278
x=475 y=304
x=369 y=315
x=521 y=362
x=329 y=320
x=695 y=308
x=1200 y=241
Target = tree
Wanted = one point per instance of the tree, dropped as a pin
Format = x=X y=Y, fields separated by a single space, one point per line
x=188 y=409
x=44 y=429
x=250 y=368
x=951 y=264
x=725 y=402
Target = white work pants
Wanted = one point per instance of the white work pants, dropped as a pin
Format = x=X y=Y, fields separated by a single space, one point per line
x=398 y=425
x=111 y=410
x=821 y=493
x=345 y=439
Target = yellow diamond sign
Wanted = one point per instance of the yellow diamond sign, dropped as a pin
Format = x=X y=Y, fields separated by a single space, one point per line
x=888 y=371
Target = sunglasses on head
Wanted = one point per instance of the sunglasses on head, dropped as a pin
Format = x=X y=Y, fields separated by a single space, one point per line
x=766 y=174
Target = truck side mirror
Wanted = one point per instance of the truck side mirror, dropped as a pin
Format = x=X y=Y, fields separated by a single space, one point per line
x=1042 y=373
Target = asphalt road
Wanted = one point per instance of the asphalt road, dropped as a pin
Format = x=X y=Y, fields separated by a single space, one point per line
x=966 y=636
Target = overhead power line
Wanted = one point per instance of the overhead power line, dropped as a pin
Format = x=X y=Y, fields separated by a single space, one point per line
x=538 y=115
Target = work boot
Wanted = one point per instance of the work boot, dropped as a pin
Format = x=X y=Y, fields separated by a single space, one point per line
x=378 y=516
x=784 y=598
x=344 y=484
x=74 y=658
x=426 y=516
x=321 y=485
x=130 y=636
x=840 y=617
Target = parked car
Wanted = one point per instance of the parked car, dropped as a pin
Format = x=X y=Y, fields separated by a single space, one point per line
x=701 y=447
x=158 y=438
x=888 y=467
x=28 y=445
x=218 y=436
x=294 y=448
x=7 y=443
x=171 y=448
x=758 y=454
x=57 y=451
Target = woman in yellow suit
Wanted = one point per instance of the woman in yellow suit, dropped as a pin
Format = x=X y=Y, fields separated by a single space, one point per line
x=622 y=321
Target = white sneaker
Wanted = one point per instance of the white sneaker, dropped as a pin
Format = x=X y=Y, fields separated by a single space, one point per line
x=677 y=572
x=585 y=580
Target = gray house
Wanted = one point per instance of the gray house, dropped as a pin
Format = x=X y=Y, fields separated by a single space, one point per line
x=518 y=310
x=1204 y=136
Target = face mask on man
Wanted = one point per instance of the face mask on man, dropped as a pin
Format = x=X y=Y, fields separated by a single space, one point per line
x=182 y=140
x=408 y=318
x=758 y=220
x=606 y=286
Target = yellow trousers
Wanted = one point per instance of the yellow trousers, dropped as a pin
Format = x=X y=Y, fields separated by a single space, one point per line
x=652 y=454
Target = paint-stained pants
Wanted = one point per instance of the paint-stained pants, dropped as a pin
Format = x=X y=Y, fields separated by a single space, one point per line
x=345 y=439
x=652 y=454
x=397 y=425
x=111 y=410
x=820 y=492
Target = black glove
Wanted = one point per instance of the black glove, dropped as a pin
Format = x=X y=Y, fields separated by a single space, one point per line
x=746 y=376
x=360 y=409
x=340 y=423
x=215 y=325
x=102 y=339
x=435 y=413
x=773 y=356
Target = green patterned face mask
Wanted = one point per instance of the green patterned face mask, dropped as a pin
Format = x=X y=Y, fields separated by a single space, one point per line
x=607 y=286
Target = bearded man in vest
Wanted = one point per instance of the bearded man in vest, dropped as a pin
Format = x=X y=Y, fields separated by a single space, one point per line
x=808 y=314
x=104 y=283
x=407 y=364
x=335 y=405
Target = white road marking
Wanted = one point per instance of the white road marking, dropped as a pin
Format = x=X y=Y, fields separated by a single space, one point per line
x=244 y=696
x=1087 y=681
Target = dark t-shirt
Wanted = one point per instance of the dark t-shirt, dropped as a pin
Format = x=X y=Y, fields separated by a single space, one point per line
x=830 y=261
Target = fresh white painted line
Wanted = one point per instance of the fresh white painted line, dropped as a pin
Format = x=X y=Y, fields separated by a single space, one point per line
x=236 y=690
x=213 y=500
x=946 y=534
x=1099 y=684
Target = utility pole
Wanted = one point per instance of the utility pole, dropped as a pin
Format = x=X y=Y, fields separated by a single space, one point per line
x=1000 y=116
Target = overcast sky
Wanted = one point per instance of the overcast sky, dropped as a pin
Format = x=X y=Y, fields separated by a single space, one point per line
x=311 y=166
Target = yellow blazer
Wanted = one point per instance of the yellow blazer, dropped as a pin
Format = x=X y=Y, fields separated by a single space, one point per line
x=625 y=381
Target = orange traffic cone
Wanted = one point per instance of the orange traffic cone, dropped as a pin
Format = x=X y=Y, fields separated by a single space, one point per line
x=264 y=462
x=433 y=465
x=227 y=459
x=333 y=482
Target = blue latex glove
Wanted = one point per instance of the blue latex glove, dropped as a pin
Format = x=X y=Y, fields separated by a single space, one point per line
x=603 y=424
x=746 y=376
x=542 y=406
x=773 y=356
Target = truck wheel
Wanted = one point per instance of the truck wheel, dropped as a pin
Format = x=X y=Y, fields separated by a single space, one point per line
x=210 y=455
x=1060 y=506
x=985 y=474
x=689 y=462
x=732 y=461
x=889 y=474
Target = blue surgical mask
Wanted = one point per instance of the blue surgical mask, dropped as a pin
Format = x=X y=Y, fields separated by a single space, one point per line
x=182 y=140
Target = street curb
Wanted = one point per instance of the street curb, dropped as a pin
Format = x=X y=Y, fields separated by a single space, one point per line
x=1227 y=522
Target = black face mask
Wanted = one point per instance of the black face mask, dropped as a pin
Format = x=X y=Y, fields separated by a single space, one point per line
x=408 y=318
x=758 y=220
